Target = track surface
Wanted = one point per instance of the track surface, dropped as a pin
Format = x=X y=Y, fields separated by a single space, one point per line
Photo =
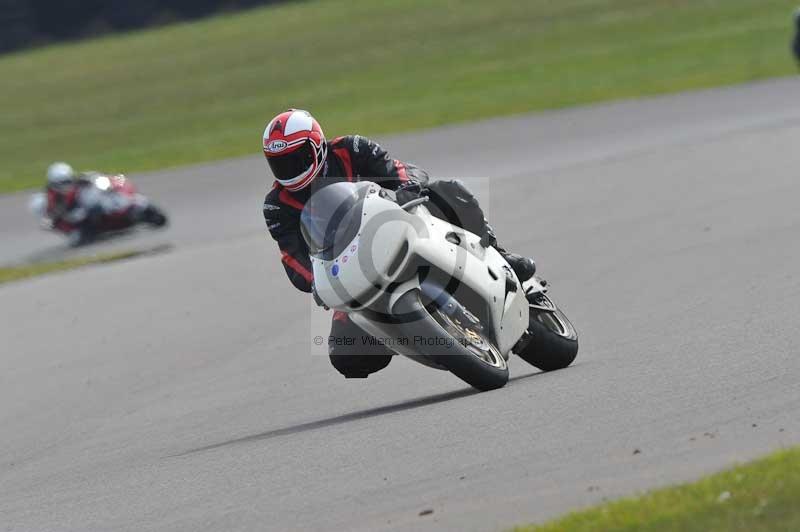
x=180 y=392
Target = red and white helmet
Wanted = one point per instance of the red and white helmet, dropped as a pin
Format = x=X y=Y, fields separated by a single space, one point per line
x=295 y=148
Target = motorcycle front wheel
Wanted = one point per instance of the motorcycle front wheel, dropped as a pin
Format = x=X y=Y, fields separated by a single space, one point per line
x=472 y=357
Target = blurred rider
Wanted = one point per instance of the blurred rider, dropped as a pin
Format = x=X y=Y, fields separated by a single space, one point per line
x=303 y=160
x=74 y=204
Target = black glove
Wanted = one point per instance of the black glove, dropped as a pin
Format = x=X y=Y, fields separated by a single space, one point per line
x=409 y=191
x=488 y=238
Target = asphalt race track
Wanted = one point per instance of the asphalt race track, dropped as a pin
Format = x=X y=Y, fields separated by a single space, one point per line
x=182 y=390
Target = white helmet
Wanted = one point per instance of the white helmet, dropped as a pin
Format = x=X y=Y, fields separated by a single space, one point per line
x=59 y=173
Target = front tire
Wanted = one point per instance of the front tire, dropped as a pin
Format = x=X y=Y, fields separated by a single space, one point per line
x=551 y=342
x=78 y=237
x=473 y=358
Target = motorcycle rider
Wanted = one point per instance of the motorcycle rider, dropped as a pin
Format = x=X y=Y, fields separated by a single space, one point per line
x=302 y=161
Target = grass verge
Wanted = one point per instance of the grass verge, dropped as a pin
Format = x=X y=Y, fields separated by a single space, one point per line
x=759 y=496
x=203 y=90
x=16 y=273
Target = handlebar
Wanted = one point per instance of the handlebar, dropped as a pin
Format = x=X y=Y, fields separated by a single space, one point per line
x=413 y=203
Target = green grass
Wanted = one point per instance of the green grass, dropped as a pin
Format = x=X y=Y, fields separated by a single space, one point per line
x=760 y=496
x=204 y=90
x=16 y=273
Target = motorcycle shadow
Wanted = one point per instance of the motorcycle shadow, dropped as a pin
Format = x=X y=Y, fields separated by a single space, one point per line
x=102 y=242
x=106 y=236
x=353 y=416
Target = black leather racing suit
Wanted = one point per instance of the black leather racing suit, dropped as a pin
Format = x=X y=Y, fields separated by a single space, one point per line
x=349 y=158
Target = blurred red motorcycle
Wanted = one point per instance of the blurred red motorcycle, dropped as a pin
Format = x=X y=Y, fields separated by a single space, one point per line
x=94 y=205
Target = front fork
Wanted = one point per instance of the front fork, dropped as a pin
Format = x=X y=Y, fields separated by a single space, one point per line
x=535 y=292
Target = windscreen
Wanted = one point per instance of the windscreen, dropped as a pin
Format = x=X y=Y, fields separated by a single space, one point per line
x=331 y=218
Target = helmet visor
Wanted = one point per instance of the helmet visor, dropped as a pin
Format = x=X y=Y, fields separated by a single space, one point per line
x=288 y=166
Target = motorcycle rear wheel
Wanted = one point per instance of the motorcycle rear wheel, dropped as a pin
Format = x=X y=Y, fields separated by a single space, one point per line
x=152 y=215
x=551 y=342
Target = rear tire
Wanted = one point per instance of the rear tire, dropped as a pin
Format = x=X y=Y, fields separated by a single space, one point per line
x=153 y=216
x=551 y=342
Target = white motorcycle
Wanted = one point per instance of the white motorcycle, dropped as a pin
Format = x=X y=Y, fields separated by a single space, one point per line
x=428 y=289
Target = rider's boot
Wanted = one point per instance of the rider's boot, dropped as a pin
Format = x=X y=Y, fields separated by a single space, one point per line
x=524 y=267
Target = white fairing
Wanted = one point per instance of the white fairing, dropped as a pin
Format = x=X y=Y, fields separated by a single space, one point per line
x=391 y=241
x=103 y=194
